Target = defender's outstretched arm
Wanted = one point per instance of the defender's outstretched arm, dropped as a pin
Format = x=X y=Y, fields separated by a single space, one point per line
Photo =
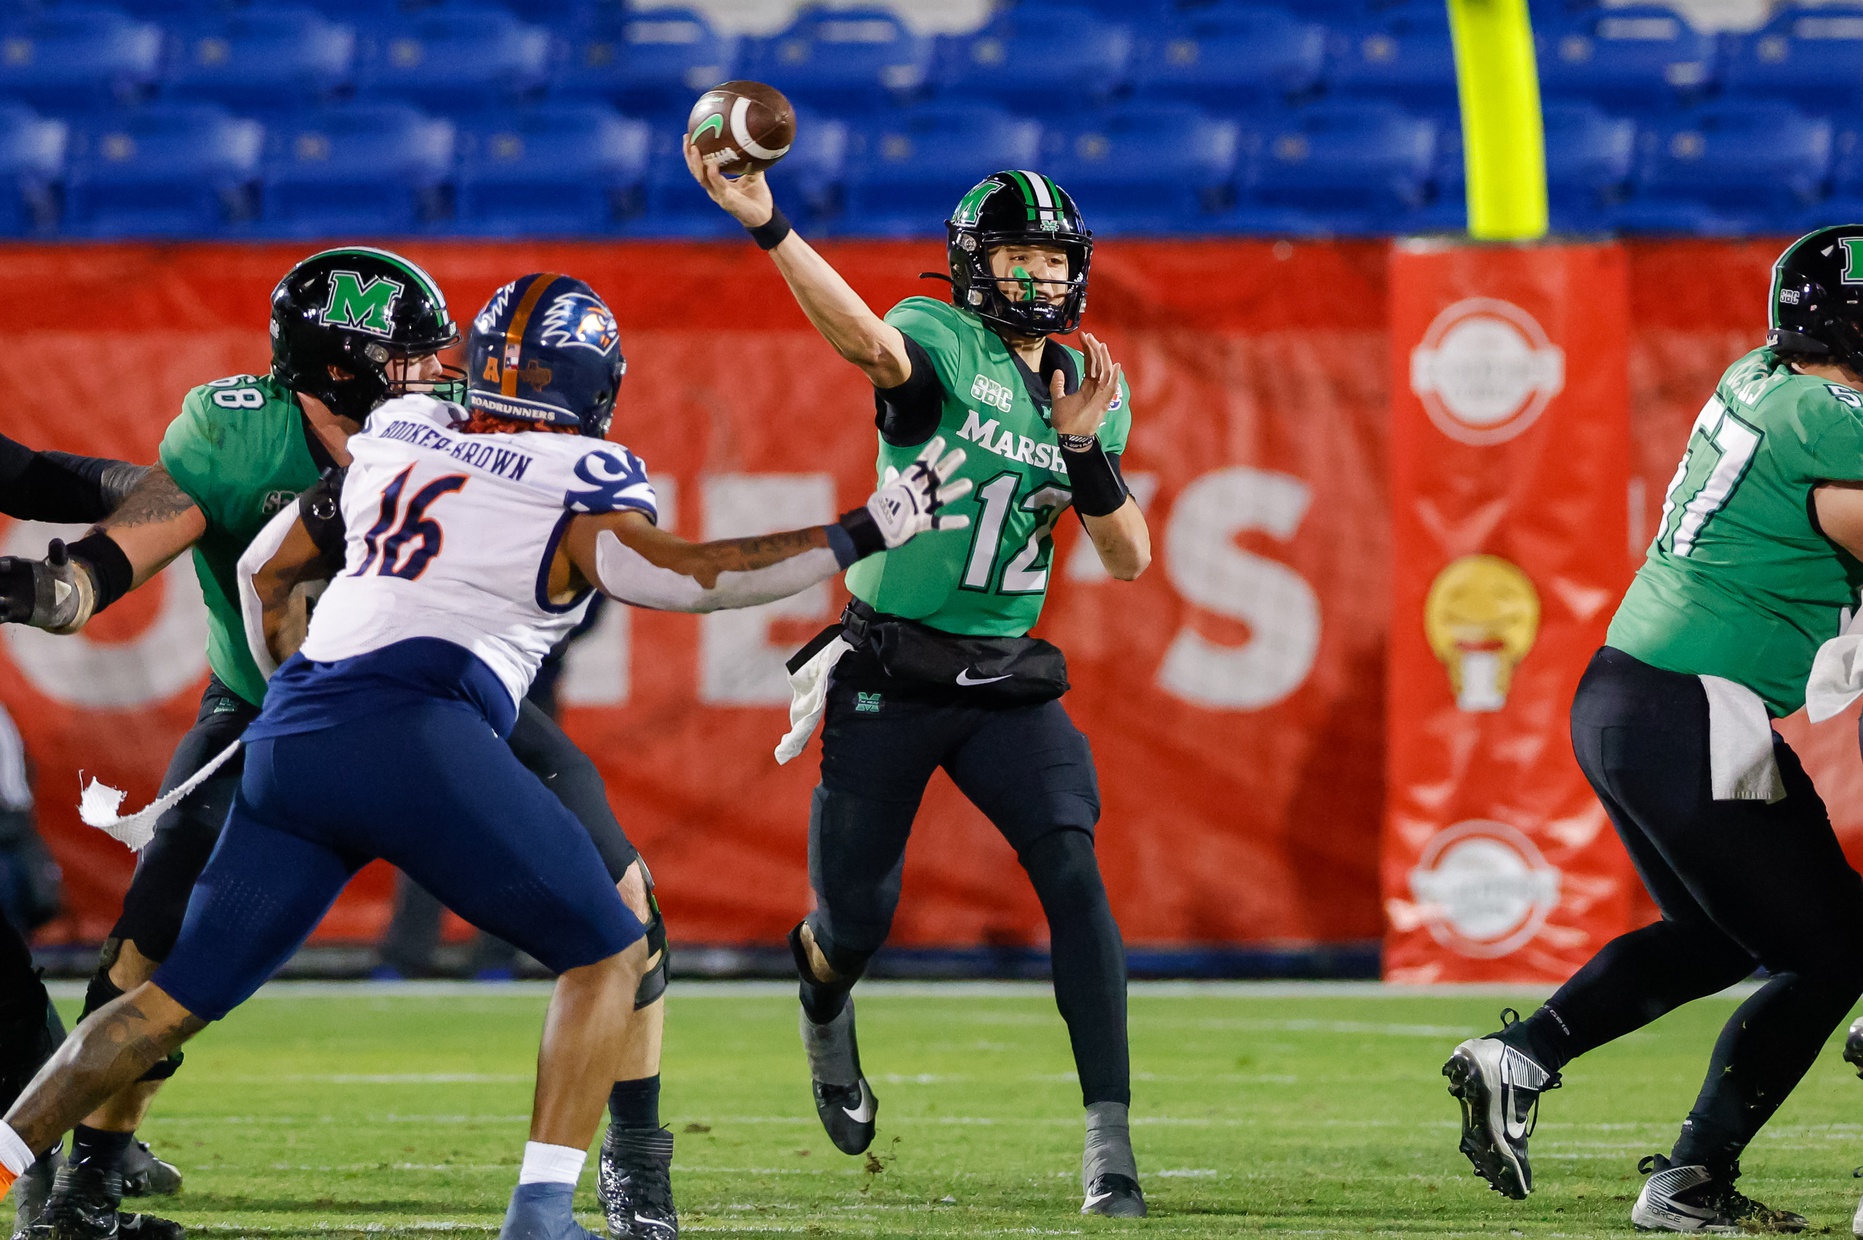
x=839 y=314
x=628 y=558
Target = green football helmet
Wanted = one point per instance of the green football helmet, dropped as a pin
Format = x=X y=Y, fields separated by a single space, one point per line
x=359 y=309
x=1010 y=207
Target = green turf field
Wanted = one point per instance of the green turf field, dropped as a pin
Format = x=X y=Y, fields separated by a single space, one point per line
x=1254 y=1113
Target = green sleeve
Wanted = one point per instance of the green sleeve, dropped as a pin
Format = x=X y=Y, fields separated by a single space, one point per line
x=187 y=450
x=1825 y=433
x=938 y=328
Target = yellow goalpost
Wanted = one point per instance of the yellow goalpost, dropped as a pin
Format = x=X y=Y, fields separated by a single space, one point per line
x=1502 y=136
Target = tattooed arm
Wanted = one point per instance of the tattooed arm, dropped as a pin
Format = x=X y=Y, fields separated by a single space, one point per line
x=120 y=1042
x=156 y=522
x=629 y=558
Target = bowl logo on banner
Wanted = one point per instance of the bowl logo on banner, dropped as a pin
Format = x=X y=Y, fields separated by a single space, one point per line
x=1481 y=616
x=1483 y=888
x=1485 y=370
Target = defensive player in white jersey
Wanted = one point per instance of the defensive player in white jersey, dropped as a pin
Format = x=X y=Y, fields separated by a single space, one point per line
x=474 y=540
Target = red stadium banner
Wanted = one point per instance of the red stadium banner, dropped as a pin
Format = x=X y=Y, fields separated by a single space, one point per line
x=1509 y=471
x=1232 y=695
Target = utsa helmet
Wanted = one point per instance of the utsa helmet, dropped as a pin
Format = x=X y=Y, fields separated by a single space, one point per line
x=1025 y=207
x=360 y=310
x=546 y=349
x=1817 y=297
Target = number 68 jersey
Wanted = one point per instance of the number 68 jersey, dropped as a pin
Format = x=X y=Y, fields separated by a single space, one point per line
x=1739 y=581
x=451 y=535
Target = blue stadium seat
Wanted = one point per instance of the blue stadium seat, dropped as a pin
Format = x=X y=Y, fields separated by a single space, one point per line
x=1404 y=58
x=806 y=183
x=1637 y=56
x=1809 y=56
x=453 y=58
x=32 y=166
x=260 y=60
x=163 y=170
x=906 y=172
x=560 y=170
x=1845 y=204
x=78 y=56
x=1040 y=60
x=1146 y=169
x=844 y=58
x=1757 y=166
x=652 y=63
x=1350 y=168
x=360 y=170
x=1236 y=53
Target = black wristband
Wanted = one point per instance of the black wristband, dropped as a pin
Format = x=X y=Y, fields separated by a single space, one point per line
x=863 y=532
x=1098 y=491
x=770 y=234
x=109 y=568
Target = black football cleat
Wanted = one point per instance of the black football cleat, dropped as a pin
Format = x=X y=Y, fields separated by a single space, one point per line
x=145 y=1175
x=1499 y=1088
x=1114 y=1196
x=1695 y=1199
x=85 y=1205
x=1853 y=1046
x=843 y=1099
x=34 y=1189
x=635 y=1184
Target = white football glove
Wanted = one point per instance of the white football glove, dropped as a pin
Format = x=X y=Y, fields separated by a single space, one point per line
x=906 y=505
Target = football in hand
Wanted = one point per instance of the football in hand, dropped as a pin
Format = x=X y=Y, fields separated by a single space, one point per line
x=742 y=127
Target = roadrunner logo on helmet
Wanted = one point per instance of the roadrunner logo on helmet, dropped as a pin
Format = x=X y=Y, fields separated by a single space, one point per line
x=360 y=310
x=1816 y=309
x=1023 y=208
x=546 y=349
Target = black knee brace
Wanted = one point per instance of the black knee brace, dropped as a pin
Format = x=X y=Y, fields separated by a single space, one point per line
x=102 y=991
x=653 y=982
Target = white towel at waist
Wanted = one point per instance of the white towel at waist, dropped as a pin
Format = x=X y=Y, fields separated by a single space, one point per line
x=1741 y=766
x=808 y=690
x=1836 y=678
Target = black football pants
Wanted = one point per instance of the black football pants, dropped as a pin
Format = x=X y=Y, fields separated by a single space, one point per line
x=185 y=836
x=1029 y=769
x=1741 y=884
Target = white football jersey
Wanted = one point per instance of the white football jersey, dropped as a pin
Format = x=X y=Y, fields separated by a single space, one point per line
x=451 y=535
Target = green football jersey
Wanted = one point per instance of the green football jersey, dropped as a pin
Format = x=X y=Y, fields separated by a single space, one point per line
x=239 y=452
x=991 y=583
x=1739 y=582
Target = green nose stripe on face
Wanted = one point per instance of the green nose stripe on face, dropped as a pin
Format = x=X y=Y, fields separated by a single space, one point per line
x=1028 y=282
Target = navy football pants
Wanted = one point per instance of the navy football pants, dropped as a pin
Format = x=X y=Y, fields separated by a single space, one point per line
x=432 y=790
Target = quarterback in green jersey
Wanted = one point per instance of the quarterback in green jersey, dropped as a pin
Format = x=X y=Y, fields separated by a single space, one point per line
x=1757 y=562
x=350 y=328
x=932 y=665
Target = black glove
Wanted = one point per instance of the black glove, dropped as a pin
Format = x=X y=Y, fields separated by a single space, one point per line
x=48 y=594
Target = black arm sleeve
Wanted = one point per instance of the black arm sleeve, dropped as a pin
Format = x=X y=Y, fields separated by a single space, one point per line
x=907 y=415
x=1112 y=458
x=57 y=486
x=321 y=509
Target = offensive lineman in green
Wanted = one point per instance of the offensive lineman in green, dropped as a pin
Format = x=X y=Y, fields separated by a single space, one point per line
x=351 y=328
x=931 y=665
x=1758 y=561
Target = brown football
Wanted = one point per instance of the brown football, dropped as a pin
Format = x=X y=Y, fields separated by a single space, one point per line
x=742 y=127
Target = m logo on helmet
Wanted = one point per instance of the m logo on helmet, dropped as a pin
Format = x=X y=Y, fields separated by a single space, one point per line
x=1853 y=259
x=365 y=307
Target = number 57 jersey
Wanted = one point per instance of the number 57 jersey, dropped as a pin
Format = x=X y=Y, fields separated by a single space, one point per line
x=1740 y=582
x=451 y=535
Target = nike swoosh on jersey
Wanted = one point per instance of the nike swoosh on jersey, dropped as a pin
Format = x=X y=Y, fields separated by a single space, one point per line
x=965 y=678
x=862 y=1114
